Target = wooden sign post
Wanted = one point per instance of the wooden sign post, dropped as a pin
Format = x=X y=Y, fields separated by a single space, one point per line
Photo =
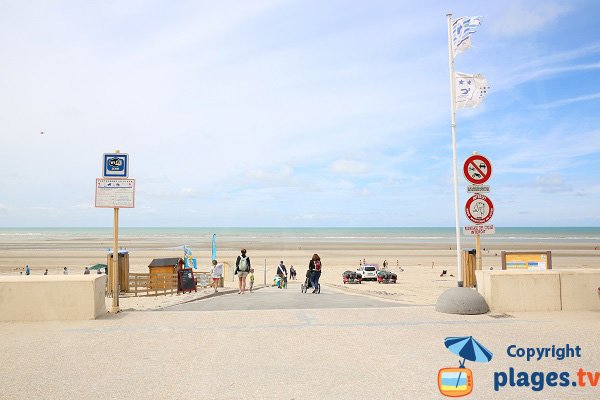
x=115 y=191
x=115 y=261
x=479 y=208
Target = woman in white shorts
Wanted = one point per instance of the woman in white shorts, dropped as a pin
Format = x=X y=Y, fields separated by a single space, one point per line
x=242 y=268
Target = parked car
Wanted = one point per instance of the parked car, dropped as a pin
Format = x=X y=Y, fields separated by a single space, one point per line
x=351 y=277
x=368 y=271
x=386 y=277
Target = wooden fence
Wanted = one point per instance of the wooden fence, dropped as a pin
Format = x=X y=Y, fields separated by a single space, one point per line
x=161 y=284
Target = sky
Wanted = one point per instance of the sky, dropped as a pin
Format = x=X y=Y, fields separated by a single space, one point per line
x=296 y=113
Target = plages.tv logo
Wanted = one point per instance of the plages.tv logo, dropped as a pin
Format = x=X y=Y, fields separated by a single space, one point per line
x=458 y=382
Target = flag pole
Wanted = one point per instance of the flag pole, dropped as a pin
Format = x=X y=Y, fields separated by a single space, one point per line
x=454 y=164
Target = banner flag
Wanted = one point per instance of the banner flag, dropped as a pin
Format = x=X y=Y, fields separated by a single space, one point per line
x=214 y=246
x=462 y=29
x=470 y=89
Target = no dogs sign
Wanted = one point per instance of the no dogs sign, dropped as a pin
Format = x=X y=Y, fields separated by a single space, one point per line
x=479 y=209
x=477 y=169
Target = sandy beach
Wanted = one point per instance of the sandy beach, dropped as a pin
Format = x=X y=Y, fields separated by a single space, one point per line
x=419 y=283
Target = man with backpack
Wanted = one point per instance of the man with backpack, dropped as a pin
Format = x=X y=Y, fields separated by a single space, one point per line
x=282 y=274
x=242 y=268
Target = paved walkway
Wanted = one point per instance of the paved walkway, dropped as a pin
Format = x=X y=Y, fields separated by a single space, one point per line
x=272 y=298
x=372 y=352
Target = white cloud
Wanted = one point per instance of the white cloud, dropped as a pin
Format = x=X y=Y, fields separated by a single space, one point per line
x=315 y=216
x=522 y=18
x=571 y=100
x=283 y=175
x=538 y=74
x=83 y=206
x=552 y=183
x=351 y=167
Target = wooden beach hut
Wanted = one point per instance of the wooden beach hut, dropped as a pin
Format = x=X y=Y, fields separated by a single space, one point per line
x=163 y=272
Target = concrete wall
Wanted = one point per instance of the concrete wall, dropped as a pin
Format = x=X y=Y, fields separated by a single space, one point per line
x=578 y=289
x=51 y=297
x=551 y=290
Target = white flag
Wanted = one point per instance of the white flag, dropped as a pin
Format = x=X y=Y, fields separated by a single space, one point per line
x=462 y=29
x=469 y=89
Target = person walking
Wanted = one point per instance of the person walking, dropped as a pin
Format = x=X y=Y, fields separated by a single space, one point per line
x=27 y=270
x=314 y=266
x=282 y=274
x=65 y=271
x=292 y=272
x=216 y=273
x=242 y=268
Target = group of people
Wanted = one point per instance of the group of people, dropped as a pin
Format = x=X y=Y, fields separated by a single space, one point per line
x=245 y=272
x=384 y=265
x=86 y=271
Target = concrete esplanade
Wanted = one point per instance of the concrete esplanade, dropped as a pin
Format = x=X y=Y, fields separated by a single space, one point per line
x=52 y=297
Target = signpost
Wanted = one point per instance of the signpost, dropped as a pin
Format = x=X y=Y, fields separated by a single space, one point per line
x=478 y=189
x=115 y=165
x=479 y=230
x=479 y=208
x=115 y=191
x=536 y=260
x=187 y=283
x=477 y=169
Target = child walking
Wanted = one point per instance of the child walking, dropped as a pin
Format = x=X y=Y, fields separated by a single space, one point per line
x=251 y=276
x=216 y=273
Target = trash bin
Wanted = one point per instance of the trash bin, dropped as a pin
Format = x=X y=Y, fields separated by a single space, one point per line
x=468 y=268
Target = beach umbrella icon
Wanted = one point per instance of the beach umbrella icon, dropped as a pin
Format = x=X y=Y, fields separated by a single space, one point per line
x=468 y=348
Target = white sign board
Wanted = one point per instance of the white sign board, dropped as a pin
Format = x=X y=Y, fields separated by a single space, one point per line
x=115 y=193
x=479 y=209
x=477 y=169
x=115 y=165
x=478 y=189
x=479 y=230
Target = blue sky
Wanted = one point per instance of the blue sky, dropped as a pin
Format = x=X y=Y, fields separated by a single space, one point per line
x=296 y=113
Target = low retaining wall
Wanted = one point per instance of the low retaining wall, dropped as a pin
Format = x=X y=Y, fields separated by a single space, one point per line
x=578 y=289
x=52 y=297
x=551 y=290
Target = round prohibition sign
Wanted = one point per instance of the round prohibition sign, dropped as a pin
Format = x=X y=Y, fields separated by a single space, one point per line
x=479 y=209
x=477 y=169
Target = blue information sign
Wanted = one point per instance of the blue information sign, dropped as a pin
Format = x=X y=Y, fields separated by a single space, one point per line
x=115 y=165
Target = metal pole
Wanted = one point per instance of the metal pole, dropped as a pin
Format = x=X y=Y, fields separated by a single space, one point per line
x=115 y=260
x=454 y=162
x=478 y=263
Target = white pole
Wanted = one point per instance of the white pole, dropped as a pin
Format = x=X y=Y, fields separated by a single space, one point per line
x=454 y=163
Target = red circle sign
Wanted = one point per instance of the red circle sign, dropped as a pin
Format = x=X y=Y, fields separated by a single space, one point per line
x=479 y=209
x=477 y=169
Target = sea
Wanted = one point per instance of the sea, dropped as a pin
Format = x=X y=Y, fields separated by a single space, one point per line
x=401 y=235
